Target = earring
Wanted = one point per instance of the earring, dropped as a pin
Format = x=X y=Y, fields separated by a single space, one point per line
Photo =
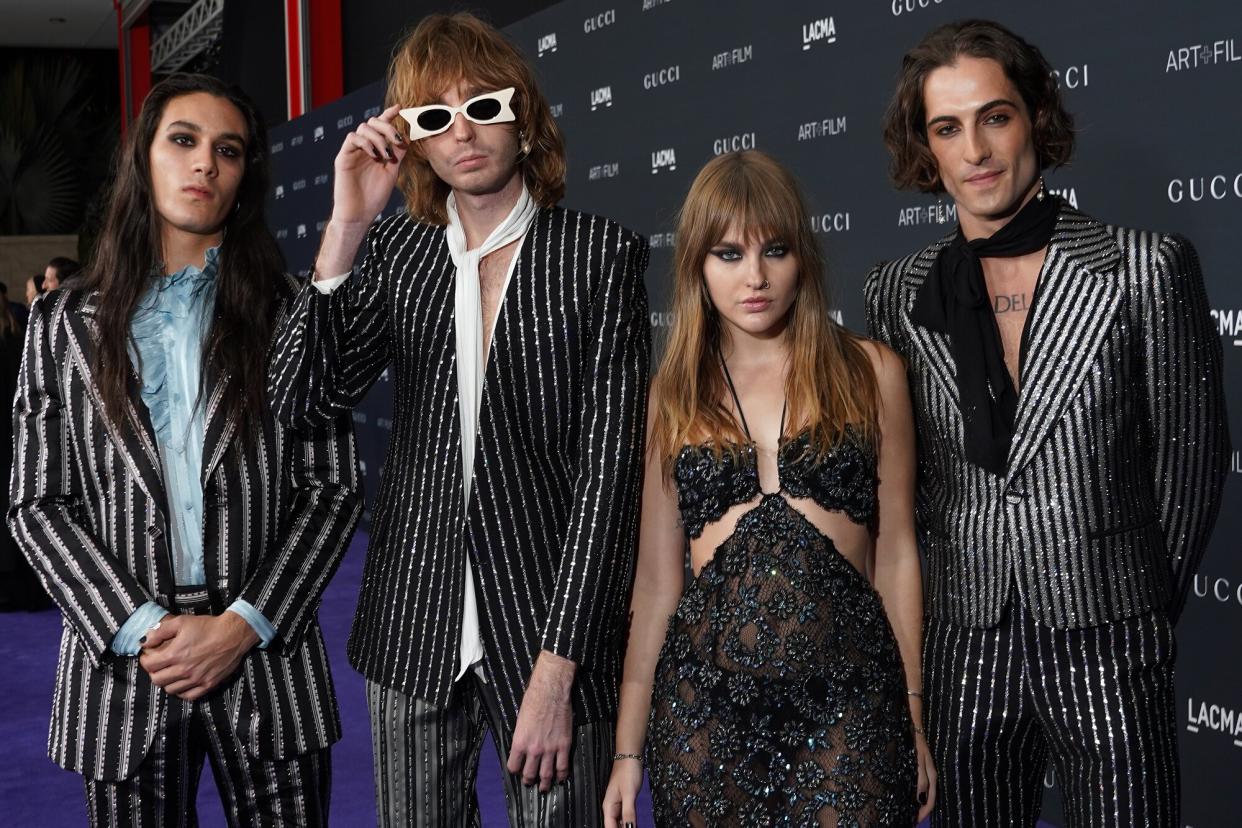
x=706 y=299
x=524 y=150
x=1039 y=196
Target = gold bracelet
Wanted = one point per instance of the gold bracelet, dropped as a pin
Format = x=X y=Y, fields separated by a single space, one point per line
x=635 y=756
x=919 y=730
x=918 y=694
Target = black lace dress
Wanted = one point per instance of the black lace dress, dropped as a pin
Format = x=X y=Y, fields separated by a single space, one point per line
x=779 y=696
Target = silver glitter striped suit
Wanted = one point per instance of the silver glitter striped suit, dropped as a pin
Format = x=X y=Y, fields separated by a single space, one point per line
x=552 y=520
x=89 y=509
x=1112 y=488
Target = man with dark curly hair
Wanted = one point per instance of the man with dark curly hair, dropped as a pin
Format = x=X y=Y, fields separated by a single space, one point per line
x=502 y=549
x=1070 y=414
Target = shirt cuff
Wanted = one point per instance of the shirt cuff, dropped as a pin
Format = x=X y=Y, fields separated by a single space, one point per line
x=326 y=286
x=127 y=642
x=261 y=626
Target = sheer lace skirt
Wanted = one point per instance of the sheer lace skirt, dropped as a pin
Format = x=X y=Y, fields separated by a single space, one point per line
x=779 y=696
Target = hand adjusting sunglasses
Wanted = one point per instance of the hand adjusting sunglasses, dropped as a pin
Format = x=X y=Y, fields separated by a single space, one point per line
x=488 y=108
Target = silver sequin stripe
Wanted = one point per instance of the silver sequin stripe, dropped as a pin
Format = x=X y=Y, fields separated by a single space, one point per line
x=86 y=498
x=254 y=792
x=1121 y=447
x=427 y=759
x=552 y=523
x=1098 y=702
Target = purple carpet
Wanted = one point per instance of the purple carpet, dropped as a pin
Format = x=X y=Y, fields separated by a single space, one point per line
x=33 y=791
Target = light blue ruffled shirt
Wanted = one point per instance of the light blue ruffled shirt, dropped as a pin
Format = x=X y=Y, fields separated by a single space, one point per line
x=167 y=333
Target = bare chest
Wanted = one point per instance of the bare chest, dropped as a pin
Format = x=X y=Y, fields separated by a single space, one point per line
x=1011 y=288
x=760 y=408
x=493 y=270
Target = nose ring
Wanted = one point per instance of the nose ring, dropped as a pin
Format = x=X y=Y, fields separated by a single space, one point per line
x=765 y=284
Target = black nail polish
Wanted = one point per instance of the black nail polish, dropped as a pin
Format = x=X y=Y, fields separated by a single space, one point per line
x=922 y=797
x=400 y=138
x=142 y=640
x=378 y=157
x=388 y=152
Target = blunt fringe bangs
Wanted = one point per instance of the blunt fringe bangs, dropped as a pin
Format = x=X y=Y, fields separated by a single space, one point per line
x=830 y=382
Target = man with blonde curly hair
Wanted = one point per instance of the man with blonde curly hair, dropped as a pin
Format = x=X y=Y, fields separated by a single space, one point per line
x=501 y=557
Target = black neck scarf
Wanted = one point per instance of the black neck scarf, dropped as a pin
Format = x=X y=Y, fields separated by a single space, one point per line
x=954 y=300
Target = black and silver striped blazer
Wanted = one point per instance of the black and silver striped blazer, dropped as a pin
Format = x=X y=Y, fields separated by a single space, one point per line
x=89 y=510
x=1121 y=445
x=551 y=525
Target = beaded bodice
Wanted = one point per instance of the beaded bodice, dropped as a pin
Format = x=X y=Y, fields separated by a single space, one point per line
x=843 y=479
x=711 y=481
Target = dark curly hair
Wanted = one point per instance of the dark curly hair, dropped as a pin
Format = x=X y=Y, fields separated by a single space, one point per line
x=913 y=167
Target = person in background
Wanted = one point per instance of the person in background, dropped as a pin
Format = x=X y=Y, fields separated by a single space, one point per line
x=60 y=273
x=20 y=311
x=34 y=289
x=19 y=586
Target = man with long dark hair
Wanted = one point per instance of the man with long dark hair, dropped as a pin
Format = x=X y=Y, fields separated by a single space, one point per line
x=502 y=549
x=184 y=534
x=1070 y=413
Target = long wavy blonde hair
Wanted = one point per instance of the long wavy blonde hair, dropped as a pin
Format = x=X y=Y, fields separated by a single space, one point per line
x=830 y=383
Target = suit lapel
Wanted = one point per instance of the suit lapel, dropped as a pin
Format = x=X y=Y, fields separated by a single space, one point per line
x=1078 y=299
x=932 y=345
x=512 y=300
x=519 y=294
x=137 y=445
x=218 y=427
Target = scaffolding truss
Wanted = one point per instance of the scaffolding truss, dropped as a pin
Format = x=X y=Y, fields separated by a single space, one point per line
x=193 y=33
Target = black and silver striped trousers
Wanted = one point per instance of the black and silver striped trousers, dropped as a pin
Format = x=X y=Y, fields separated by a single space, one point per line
x=1099 y=702
x=427 y=762
x=257 y=793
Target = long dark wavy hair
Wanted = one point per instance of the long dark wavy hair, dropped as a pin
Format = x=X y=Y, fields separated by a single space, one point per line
x=129 y=250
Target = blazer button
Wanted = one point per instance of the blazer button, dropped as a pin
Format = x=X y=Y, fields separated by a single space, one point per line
x=1014 y=498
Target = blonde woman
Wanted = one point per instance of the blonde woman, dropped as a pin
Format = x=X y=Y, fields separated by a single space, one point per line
x=770 y=689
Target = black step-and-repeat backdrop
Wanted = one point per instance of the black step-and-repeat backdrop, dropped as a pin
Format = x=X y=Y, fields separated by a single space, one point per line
x=647 y=91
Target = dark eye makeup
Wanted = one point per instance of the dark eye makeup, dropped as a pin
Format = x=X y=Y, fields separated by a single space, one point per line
x=184 y=139
x=730 y=253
